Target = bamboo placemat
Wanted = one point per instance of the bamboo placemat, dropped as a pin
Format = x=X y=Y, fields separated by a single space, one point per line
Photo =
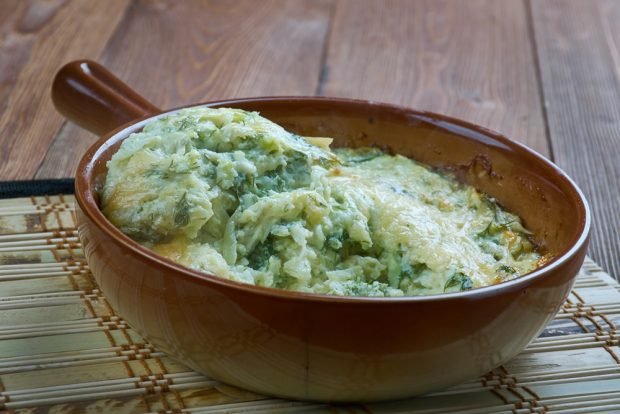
x=63 y=349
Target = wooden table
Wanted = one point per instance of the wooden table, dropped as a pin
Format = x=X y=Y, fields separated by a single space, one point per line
x=543 y=72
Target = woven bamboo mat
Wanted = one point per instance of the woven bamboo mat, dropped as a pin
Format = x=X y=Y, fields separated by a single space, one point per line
x=63 y=349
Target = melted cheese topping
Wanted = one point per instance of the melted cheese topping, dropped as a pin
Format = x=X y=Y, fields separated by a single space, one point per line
x=229 y=192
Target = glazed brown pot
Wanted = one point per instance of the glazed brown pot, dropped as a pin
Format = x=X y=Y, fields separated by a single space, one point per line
x=319 y=347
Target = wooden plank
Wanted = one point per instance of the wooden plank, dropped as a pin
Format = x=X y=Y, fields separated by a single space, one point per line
x=469 y=59
x=580 y=69
x=14 y=51
x=176 y=53
x=37 y=38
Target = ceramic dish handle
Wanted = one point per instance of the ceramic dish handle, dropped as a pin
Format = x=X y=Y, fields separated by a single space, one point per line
x=92 y=97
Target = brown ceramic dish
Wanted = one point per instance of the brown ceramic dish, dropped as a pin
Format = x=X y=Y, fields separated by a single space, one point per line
x=317 y=347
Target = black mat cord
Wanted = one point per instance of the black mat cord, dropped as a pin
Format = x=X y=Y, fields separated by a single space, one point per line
x=14 y=189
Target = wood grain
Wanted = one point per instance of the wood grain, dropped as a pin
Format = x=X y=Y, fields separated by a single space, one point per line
x=578 y=45
x=36 y=38
x=176 y=53
x=470 y=59
x=14 y=50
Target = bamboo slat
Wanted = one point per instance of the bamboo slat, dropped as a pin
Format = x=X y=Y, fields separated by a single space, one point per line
x=62 y=348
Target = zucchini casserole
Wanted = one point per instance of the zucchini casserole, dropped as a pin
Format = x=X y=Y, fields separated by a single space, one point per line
x=233 y=194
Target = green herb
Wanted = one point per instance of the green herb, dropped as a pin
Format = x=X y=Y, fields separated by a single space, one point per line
x=273 y=181
x=505 y=272
x=181 y=211
x=363 y=155
x=335 y=241
x=412 y=271
x=507 y=269
x=458 y=282
x=501 y=220
x=245 y=187
x=359 y=160
x=299 y=139
x=401 y=191
x=282 y=280
x=164 y=173
x=156 y=172
x=186 y=123
x=259 y=257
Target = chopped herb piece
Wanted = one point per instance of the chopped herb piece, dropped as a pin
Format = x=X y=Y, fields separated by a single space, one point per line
x=507 y=269
x=186 y=123
x=181 y=211
x=364 y=155
x=458 y=282
x=505 y=272
x=413 y=270
x=259 y=257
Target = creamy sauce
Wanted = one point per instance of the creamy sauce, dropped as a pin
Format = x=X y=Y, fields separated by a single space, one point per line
x=229 y=192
